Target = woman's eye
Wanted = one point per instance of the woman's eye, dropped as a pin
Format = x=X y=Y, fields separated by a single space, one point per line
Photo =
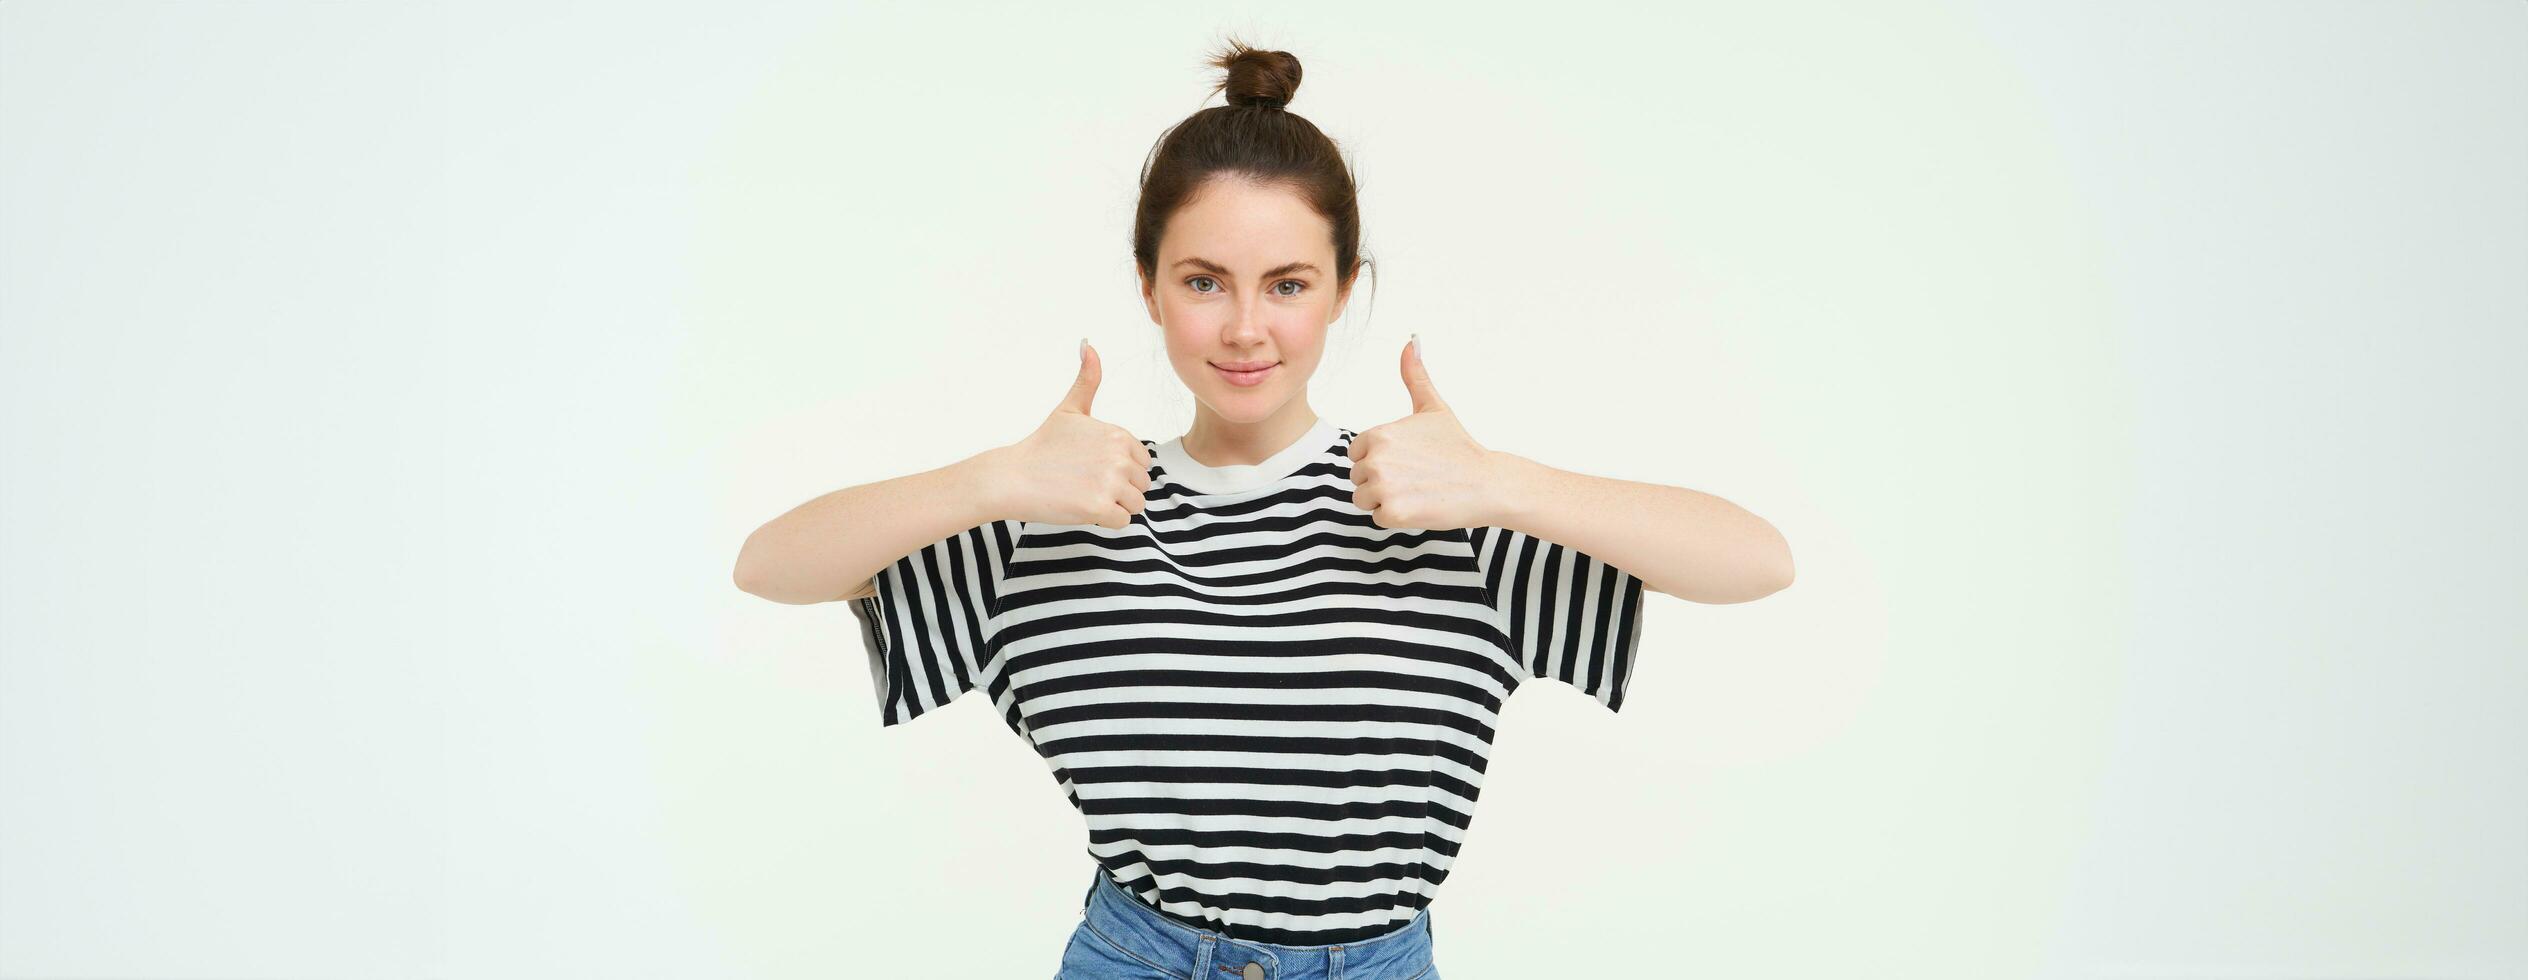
x=1205 y=284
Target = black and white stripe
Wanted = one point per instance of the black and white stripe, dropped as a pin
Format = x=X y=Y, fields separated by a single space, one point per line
x=1274 y=714
x=1573 y=618
x=925 y=628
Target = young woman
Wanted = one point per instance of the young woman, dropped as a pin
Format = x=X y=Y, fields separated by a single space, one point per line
x=1264 y=658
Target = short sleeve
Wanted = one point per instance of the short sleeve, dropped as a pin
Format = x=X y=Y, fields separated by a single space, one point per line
x=1569 y=616
x=926 y=629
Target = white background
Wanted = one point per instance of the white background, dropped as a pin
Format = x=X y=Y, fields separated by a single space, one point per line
x=386 y=390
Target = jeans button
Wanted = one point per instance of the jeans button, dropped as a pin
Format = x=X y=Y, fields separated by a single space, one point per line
x=1254 y=970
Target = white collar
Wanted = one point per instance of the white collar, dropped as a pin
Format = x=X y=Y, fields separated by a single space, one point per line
x=1183 y=470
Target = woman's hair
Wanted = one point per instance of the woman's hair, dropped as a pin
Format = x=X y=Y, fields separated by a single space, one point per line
x=1251 y=137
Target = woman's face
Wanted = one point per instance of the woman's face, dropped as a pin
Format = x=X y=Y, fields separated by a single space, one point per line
x=1244 y=293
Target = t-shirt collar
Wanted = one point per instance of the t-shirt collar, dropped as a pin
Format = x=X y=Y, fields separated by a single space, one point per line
x=1183 y=470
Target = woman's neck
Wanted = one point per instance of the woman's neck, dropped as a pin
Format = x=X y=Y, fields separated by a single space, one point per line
x=1215 y=441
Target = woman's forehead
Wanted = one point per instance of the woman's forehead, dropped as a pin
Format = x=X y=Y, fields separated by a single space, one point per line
x=1247 y=228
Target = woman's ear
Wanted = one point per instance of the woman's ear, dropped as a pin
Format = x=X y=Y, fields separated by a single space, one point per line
x=1343 y=295
x=1149 y=296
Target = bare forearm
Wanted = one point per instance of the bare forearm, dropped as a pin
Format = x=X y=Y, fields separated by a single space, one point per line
x=825 y=548
x=1686 y=543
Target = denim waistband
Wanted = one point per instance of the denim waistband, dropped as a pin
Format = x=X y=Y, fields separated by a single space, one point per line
x=1125 y=920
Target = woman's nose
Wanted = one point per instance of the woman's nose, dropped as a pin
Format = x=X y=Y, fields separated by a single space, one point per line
x=1247 y=323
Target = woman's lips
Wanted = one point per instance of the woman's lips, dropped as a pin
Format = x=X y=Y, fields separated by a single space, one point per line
x=1247 y=378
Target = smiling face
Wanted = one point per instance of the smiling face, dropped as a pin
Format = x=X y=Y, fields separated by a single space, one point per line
x=1244 y=292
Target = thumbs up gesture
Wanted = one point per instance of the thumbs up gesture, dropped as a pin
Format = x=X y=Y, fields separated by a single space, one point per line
x=1075 y=469
x=1422 y=470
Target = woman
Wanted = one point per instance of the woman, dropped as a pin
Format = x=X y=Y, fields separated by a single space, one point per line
x=1263 y=659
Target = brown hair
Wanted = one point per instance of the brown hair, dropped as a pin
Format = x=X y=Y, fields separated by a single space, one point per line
x=1253 y=137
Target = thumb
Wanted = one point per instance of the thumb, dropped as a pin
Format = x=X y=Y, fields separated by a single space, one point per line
x=1417 y=380
x=1084 y=387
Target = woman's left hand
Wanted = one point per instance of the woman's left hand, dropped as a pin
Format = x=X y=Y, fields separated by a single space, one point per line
x=1423 y=470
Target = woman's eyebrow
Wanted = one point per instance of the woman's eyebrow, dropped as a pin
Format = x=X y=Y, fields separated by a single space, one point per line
x=1216 y=269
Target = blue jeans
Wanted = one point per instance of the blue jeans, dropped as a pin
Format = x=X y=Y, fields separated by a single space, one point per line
x=1122 y=938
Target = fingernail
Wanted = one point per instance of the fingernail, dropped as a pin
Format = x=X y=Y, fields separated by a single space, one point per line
x=1418 y=349
x=1084 y=346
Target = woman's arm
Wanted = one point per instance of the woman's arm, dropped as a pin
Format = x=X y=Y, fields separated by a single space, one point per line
x=1073 y=469
x=830 y=547
x=1424 y=470
x=1686 y=543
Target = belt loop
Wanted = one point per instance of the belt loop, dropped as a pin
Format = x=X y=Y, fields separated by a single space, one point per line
x=1202 y=957
x=1334 y=964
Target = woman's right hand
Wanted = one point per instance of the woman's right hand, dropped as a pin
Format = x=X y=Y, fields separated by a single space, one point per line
x=1075 y=469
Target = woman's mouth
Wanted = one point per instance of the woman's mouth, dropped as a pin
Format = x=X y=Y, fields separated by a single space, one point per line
x=1245 y=373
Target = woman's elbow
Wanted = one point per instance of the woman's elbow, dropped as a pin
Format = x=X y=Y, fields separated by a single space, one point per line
x=746 y=575
x=752 y=576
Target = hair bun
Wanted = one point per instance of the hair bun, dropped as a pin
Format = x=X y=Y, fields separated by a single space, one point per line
x=1262 y=79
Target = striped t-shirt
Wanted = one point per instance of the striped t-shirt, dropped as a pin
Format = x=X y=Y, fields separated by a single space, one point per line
x=1273 y=713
